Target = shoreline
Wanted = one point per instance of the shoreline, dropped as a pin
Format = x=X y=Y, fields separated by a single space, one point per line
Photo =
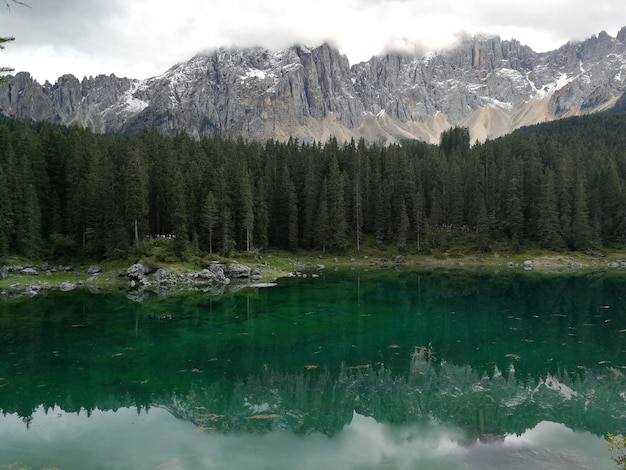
x=266 y=269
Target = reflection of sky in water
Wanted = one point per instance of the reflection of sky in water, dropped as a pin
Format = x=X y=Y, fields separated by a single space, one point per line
x=127 y=439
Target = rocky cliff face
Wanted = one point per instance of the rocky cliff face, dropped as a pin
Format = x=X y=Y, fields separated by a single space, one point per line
x=487 y=84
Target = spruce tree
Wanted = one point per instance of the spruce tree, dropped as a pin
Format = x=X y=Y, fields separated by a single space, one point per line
x=322 y=224
x=403 y=228
x=580 y=217
x=548 y=233
x=336 y=207
x=209 y=219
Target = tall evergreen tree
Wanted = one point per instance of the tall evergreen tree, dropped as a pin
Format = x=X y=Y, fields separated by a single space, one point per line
x=336 y=207
x=483 y=229
x=136 y=194
x=261 y=214
x=5 y=214
x=548 y=227
x=209 y=219
x=420 y=218
x=581 y=231
x=403 y=227
x=322 y=223
x=246 y=208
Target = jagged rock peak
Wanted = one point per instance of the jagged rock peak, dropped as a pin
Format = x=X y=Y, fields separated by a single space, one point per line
x=485 y=83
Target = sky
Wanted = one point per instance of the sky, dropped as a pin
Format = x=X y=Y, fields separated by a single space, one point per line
x=143 y=38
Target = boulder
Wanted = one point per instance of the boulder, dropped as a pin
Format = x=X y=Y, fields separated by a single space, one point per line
x=218 y=271
x=29 y=272
x=205 y=275
x=138 y=271
x=162 y=275
x=94 y=270
x=4 y=273
x=66 y=286
x=236 y=271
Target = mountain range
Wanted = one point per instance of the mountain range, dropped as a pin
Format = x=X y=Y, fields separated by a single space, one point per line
x=489 y=85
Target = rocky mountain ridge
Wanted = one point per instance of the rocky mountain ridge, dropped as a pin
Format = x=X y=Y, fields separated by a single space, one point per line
x=489 y=85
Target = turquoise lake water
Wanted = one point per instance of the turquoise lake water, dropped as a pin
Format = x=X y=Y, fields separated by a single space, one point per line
x=351 y=370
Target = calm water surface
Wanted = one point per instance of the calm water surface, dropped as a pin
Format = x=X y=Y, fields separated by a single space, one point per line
x=395 y=370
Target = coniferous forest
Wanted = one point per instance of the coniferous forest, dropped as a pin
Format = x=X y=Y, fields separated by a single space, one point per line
x=65 y=191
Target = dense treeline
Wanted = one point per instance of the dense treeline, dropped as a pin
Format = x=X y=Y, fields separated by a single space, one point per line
x=65 y=191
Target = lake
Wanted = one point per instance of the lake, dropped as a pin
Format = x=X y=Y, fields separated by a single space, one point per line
x=349 y=370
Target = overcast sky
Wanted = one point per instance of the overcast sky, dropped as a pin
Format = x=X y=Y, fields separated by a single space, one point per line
x=143 y=38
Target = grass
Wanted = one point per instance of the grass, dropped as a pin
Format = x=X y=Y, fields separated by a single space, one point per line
x=273 y=264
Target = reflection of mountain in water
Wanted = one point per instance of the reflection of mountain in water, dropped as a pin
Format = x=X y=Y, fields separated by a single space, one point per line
x=313 y=401
x=318 y=401
x=503 y=354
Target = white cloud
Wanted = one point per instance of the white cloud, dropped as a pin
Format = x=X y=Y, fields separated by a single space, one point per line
x=143 y=38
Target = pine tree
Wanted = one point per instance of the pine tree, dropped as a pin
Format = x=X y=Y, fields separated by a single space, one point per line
x=292 y=210
x=261 y=215
x=580 y=217
x=310 y=197
x=322 y=223
x=246 y=208
x=483 y=229
x=513 y=211
x=5 y=215
x=420 y=218
x=336 y=207
x=209 y=218
x=403 y=228
x=136 y=193
x=548 y=232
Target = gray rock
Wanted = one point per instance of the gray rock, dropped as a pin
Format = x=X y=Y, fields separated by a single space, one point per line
x=66 y=286
x=218 y=272
x=138 y=271
x=236 y=271
x=4 y=273
x=162 y=275
x=94 y=270
x=206 y=275
x=619 y=264
x=29 y=272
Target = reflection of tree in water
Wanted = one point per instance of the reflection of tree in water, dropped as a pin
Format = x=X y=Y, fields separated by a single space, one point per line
x=318 y=400
x=315 y=401
x=494 y=354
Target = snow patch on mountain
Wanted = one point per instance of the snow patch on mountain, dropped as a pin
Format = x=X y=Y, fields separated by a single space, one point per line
x=491 y=85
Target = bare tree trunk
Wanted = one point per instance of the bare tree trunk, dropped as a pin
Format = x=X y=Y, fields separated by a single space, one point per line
x=136 y=235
